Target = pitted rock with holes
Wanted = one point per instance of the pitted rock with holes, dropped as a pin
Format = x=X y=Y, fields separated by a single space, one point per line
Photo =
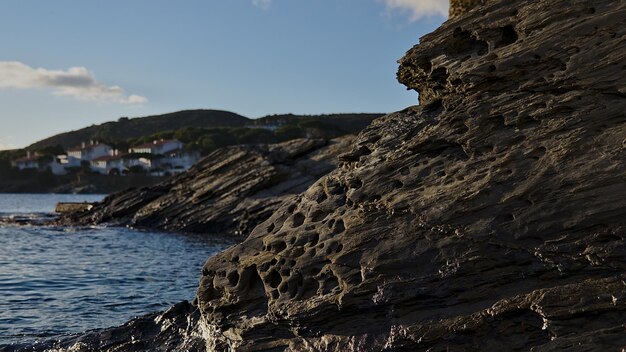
x=491 y=215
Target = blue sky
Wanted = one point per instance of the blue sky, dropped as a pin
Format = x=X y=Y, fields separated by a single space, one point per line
x=67 y=64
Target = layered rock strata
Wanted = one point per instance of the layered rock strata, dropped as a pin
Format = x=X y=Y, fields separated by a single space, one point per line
x=176 y=329
x=229 y=192
x=491 y=215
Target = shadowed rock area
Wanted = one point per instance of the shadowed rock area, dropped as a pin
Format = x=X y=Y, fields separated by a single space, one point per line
x=491 y=215
x=228 y=192
x=176 y=329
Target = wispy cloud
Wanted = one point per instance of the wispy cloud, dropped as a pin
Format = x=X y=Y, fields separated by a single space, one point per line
x=417 y=9
x=76 y=82
x=263 y=4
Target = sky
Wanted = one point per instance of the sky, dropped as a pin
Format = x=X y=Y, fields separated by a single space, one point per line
x=68 y=64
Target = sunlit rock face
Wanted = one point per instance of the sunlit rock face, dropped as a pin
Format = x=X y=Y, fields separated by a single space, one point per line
x=491 y=216
x=461 y=7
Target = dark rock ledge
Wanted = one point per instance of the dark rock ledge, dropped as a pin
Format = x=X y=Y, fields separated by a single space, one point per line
x=491 y=217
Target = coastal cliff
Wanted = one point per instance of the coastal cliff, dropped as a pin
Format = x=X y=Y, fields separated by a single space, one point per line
x=229 y=192
x=491 y=215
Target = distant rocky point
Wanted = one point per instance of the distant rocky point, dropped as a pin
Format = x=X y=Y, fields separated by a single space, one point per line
x=228 y=193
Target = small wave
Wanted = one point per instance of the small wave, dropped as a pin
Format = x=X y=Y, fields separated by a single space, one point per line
x=27 y=219
x=63 y=280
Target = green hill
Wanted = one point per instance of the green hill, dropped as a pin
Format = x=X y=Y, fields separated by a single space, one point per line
x=200 y=130
x=126 y=128
x=127 y=131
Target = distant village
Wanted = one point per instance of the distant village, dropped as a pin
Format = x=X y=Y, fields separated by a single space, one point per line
x=157 y=158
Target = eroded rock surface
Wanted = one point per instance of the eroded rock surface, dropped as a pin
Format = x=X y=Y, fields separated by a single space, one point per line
x=491 y=216
x=228 y=192
x=461 y=7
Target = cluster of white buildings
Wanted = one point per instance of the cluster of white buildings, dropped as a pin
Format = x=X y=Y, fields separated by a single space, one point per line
x=158 y=158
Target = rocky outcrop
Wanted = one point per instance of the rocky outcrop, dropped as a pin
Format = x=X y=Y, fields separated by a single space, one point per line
x=491 y=215
x=229 y=192
x=176 y=329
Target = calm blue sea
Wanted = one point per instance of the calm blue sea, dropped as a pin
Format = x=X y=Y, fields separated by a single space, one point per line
x=59 y=280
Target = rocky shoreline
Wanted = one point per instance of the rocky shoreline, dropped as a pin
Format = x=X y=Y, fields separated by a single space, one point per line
x=228 y=193
x=89 y=183
x=176 y=329
x=491 y=216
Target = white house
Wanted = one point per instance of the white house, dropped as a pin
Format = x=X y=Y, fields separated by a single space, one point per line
x=108 y=165
x=128 y=162
x=68 y=161
x=39 y=162
x=166 y=156
x=91 y=151
x=30 y=161
x=157 y=147
x=177 y=161
x=158 y=158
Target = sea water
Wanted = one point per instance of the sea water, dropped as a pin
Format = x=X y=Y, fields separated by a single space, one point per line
x=61 y=280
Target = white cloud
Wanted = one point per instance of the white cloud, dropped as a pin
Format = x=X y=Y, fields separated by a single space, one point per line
x=263 y=4
x=136 y=99
x=76 y=82
x=417 y=9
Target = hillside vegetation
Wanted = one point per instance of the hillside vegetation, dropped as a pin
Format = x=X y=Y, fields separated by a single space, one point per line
x=270 y=129
x=126 y=131
x=127 y=128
